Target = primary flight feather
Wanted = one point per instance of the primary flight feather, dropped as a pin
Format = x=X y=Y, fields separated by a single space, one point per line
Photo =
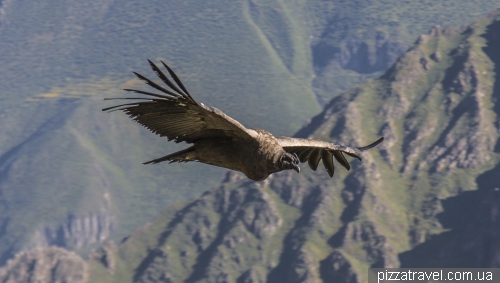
x=220 y=140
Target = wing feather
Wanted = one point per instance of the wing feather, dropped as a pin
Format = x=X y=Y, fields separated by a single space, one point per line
x=153 y=84
x=341 y=159
x=372 y=145
x=177 y=115
x=302 y=153
x=164 y=78
x=150 y=93
x=177 y=80
x=314 y=159
x=313 y=151
x=326 y=156
x=126 y=104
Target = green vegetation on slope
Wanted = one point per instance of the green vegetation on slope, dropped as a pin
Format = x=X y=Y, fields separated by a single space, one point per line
x=69 y=162
x=437 y=107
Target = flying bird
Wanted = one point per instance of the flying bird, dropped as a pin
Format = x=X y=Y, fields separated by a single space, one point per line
x=220 y=140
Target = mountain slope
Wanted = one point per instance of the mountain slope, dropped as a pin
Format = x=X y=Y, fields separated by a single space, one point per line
x=417 y=201
x=68 y=167
x=72 y=176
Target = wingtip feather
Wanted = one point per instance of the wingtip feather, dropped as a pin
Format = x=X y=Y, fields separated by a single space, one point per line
x=177 y=80
x=372 y=145
x=353 y=155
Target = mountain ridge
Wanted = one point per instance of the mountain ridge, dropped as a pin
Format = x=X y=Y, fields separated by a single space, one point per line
x=309 y=228
x=417 y=201
x=84 y=169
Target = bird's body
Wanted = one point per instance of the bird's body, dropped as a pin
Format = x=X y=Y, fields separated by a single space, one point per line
x=257 y=161
x=220 y=140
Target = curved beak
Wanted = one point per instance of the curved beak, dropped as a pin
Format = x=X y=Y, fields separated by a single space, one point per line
x=296 y=168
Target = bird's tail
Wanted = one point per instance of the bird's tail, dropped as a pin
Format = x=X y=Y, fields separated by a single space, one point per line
x=174 y=157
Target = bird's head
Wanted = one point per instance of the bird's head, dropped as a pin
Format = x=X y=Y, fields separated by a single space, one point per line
x=289 y=161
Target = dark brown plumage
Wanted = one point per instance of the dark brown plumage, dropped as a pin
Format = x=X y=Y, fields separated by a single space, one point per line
x=220 y=140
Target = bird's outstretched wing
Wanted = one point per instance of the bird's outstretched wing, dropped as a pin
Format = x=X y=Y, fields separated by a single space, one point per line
x=313 y=151
x=176 y=115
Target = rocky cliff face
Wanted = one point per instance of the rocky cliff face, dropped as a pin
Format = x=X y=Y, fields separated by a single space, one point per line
x=384 y=31
x=76 y=234
x=417 y=201
x=53 y=264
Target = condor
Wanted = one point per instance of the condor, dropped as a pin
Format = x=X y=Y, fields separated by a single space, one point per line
x=220 y=140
